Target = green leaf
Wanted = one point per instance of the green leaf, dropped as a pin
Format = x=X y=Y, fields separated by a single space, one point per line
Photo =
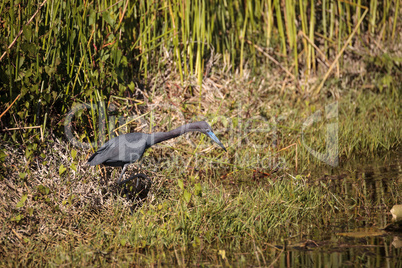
x=181 y=185
x=73 y=167
x=2 y=156
x=116 y=56
x=17 y=218
x=73 y=154
x=92 y=17
x=198 y=189
x=123 y=242
x=187 y=196
x=21 y=61
x=50 y=70
x=27 y=32
x=20 y=203
x=43 y=190
x=61 y=169
x=124 y=61
x=108 y=18
x=30 y=211
x=27 y=47
x=72 y=37
x=131 y=86
x=58 y=61
x=28 y=153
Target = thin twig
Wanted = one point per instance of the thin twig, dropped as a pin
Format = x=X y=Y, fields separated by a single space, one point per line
x=326 y=62
x=272 y=59
x=17 y=128
x=340 y=53
x=10 y=106
x=277 y=258
x=19 y=34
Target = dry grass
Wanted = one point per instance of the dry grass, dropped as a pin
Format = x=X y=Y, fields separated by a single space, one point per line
x=204 y=203
x=47 y=212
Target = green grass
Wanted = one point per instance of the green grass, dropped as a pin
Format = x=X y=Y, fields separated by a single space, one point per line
x=205 y=203
x=57 y=55
x=243 y=219
x=245 y=67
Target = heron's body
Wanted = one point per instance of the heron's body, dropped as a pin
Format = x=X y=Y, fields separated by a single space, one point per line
x=121 y=150
x=129 y=148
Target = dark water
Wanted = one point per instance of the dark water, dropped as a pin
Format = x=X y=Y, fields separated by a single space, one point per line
x=356 y=239
x=379 y=251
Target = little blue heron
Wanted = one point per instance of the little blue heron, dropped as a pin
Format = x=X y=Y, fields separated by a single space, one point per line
x=129 y=148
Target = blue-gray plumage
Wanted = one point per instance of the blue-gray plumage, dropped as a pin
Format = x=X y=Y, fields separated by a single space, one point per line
x=129 y=148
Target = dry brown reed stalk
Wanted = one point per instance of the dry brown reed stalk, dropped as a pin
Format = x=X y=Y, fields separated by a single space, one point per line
x=49 y=196
x=340 y=53
x=21 y=31
x=8 y=108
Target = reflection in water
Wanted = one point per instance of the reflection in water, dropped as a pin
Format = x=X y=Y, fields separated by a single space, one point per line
x=367 y=252
x=373 y=183
x=350 y=236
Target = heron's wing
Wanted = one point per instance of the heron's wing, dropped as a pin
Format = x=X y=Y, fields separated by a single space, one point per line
x=120 y=150
x=99 y=156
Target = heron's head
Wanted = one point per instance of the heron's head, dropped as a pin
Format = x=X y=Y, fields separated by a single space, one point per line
x=205 y=128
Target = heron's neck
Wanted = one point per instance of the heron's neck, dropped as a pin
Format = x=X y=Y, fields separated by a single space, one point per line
x=158 y=137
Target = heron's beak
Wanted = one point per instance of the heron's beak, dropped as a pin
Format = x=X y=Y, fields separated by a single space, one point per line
x=215 y=139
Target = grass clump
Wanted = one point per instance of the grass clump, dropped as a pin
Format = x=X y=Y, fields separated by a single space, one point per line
x=246 y=205
x=191 y=220
x=272 y=90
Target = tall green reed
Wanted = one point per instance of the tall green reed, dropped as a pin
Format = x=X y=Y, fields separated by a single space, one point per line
x=72 y=49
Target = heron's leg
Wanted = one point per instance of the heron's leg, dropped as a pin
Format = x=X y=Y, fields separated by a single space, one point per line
x=122 y=172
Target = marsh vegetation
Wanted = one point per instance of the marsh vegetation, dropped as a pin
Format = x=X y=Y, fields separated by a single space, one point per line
x=304 y=95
